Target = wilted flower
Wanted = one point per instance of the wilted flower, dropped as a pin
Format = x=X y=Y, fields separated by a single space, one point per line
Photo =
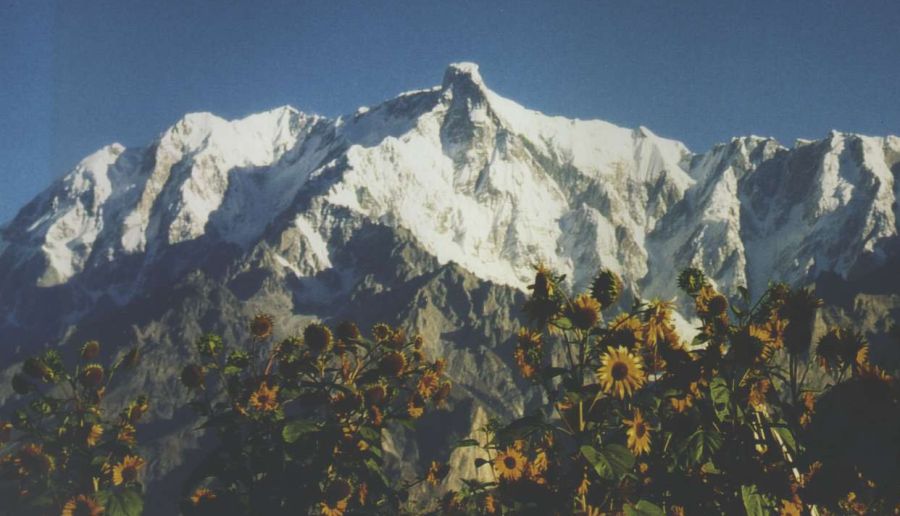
x=261 y=326
x=192 y=376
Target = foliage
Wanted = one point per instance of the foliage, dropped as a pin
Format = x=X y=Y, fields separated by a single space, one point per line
x=638 y=421
x=299 y=422
x=60 y=453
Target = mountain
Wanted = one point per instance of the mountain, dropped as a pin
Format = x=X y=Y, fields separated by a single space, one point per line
x=428 y=210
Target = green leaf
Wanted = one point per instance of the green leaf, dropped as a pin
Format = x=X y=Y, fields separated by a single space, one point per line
x=466 y=442
x=644 y=508
x=721 y=398
x=755 y=503
x=127 y=502
x=700 y=446
x=295 y=429
x=787 y=436
x=611 y=461
x=520 y=428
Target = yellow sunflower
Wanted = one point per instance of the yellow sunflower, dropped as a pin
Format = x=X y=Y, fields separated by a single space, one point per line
x=81 y=505
x=584 y=312
x=415 y=407
x=490 y=505
x=638 y=434
x=620 y=372
x=682 y=403
x=333 y=509
x=127 y=470
x=93 y=435
x=202 y=495
x=126 y=434
x=428 y=384
x=393 y=364
x=791 y=508
x=265 y=399
x=336 y=496
x=659 y=322
x=510 y=464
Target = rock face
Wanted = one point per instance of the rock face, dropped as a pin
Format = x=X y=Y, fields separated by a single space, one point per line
x=428 y=210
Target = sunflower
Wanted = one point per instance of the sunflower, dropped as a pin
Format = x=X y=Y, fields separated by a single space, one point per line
x=428 y=384
x=510 y=464
x=606 y=288
x=202 y=495
x=93 y=435
x=32 y=459
x=529 y=352
x=92 y=375
x=790 y=508
x=375 y=394
x=261 y=326
x=758 y=392
x=682 y=403
x=90 y=350
x=415 y=407
x=626 y=330
x=393 y=364
x=659 y=322
x=81 y=505
x=317 y=337
x=127 y=470
x=436 y=472
x=490 y=505
x=584 y=312
x=638 y=434
x=137 y=409
x=381 y=332
x=336 y=496
x=442 y=394
x=347 y=331
x=126 y=434
x=264 y=399
x=5 y=431
x=543 y=281
x=620 y=372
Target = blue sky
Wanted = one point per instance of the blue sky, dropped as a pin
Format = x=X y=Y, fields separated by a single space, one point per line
x=76 y=75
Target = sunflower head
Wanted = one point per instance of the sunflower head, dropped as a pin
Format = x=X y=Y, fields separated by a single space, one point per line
x=392 y=364
x=192 y=376
x=621 y=372
x=381 y=332
x=90 y=350
x=638 y=434
x=584 y=312
x=375 y=394
x=415 y=407
x=202 y=496
x=317 y=338
x=717 y=305
x=261 y=326
x=82 y=505
x=346 y=402
x=339 y=489
x=347 y=331
x=92 y=375
x=93 y=433
x=510 y=464
x=436 y=472
x=126 y=471
x=428 y=384
x=37 y=369
x=691 y=280
x=606 y=288
x=5 y=431
x=442 y=394
x=543 y=282
x=265 y=398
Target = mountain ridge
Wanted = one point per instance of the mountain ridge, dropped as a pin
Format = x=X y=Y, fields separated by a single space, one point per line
x=428 y=211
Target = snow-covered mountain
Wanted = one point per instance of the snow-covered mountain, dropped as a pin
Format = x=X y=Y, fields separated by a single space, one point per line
x=430 y=210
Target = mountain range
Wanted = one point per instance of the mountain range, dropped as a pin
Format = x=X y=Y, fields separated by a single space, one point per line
x=430 y=211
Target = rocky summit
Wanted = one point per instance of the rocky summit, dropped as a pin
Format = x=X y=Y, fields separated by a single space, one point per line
x=428 y=211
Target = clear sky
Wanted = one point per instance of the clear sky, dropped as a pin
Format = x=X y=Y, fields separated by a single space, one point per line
x=76 y=75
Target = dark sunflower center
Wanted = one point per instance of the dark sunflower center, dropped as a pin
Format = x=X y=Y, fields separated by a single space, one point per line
x=640 y=429
x=264 y=399
x=129 y=473
x=509 y=462
x=83 y=509
x=619 y=371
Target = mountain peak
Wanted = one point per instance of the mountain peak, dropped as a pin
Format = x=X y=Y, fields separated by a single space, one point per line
x=463 y=73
